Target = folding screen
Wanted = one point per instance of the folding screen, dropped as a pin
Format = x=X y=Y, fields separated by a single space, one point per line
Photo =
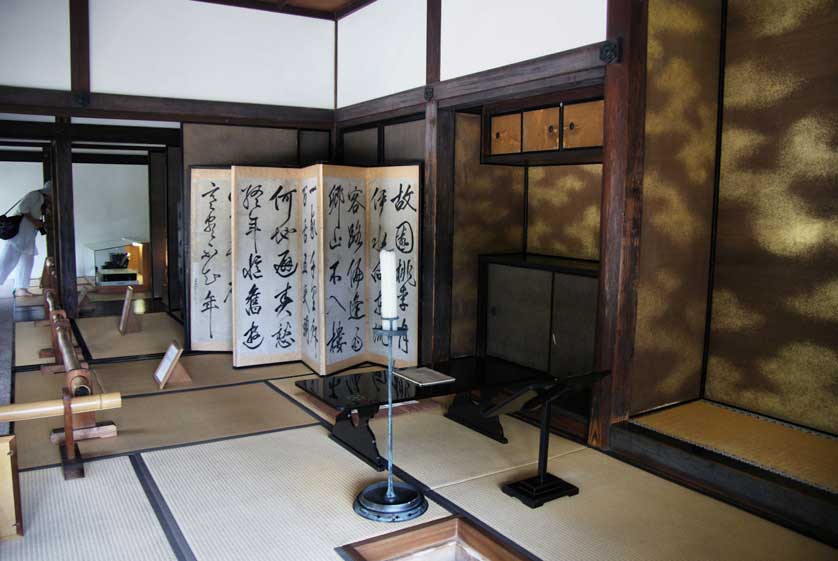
x=306 y=281
x=210 y=267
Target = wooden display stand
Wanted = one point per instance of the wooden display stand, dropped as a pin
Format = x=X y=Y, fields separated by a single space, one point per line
x=170 y=371
x=11 y=519
x=128 y=321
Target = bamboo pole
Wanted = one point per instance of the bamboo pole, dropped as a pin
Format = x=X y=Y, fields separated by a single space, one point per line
x=55 y=407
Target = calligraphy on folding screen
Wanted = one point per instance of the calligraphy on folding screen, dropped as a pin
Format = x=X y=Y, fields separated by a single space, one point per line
x=266 y=263
x=310 y=269
x=393 y=209
x=345 y=264
x=210 y=269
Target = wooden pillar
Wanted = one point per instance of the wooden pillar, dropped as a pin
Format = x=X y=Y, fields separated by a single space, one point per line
x=622 y=192
x=174 y=165
x=437 y=230
x=80 y=50
x=157 y=181
x=50 y=211
x=65 y=232
x=433 y=41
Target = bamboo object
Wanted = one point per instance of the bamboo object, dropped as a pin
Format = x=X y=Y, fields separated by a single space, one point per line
x=55 y=407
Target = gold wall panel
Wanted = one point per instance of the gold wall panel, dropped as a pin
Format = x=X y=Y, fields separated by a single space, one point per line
x=563 y=210
x=774 y=339
x=681 y=110
x=488 y=218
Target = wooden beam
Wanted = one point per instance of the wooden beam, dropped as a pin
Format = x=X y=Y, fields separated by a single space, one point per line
x=98 y=133
x=174 y=194
x=157 y=181
x=117 y=106
x=114 y=159
x=21 y=155
x=65 y=233
x=352 y=7
x=50 y=210
x=80 y=48
x=620 y=219
x=433 y=41
x=437 y=235
x=280 y=8
x=574 y=68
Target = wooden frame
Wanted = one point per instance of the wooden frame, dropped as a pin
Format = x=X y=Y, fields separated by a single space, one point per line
x=170 y=370
x=621 y=211
x=558 y=156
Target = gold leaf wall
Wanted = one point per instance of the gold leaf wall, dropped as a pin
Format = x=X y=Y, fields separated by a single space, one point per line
x=563 y=210
x=681 y=115
x=488 y=218
x=774 y=338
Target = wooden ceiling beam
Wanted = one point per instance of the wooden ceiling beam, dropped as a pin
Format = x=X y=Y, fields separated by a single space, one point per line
x=115 y=106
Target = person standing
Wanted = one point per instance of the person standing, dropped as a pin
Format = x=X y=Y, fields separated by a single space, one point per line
x=20 y=251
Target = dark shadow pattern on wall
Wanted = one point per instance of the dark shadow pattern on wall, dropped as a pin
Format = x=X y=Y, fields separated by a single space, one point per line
x=563 y=210
x=681 y=114
x=488 y=218
x=774 y=339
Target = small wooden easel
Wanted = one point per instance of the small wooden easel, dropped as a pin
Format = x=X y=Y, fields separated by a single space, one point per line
x=170 y=371
x=128 y=321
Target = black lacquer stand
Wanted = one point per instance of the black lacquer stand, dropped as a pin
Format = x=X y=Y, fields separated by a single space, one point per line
x=544 y=487
x=389 y=501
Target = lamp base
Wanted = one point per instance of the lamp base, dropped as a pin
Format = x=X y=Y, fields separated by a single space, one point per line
x=407 y=504
x=534 y=491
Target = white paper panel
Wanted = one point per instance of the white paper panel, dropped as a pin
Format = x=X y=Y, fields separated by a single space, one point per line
x=393 y=205
x=381 y=50
x=482 y=34
x=35 y=44
x=345 y=267
x=211 y=319
x=311 y=327
x=266 y=265
x=198 y=50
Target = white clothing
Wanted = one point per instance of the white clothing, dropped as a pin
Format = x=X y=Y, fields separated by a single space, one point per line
x=24 y=241
x=11 y=257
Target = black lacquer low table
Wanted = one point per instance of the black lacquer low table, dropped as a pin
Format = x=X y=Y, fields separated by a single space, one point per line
x=501 y=389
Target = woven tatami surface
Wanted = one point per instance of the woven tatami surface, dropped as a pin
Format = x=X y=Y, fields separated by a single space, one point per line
x=104 y=340
x=625 y=514
x=284 y=496
x=800 y=454
x=103 y=517
x=206 y=370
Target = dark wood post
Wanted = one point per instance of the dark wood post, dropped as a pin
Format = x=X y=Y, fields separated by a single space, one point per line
x=174 y=164
x=433 y=41
x=51 y=225
x=622 y=197
x=157 y=181
x=65 y=232
x=437 y=229
x=80 y=50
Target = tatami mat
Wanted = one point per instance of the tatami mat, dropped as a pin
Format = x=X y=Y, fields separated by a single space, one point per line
x=114 y=296
x=439 y=451
x=29 y=301
x=625 y=514
x=104 y=341
x=206 y=370
x=796 y=453
x=103 y=517
x=30 y=338
x=158 y=420
x=285 y=496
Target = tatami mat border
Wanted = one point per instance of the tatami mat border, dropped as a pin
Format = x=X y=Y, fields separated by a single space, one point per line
x=167 y=521
x=183 y=445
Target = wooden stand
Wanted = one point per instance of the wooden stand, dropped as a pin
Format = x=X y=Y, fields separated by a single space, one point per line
x=84 y=300
x=128 y=321
x=11 y=519
x=170 y=372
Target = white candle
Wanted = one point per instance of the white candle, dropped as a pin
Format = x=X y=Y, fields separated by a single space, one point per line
x=389 y=304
